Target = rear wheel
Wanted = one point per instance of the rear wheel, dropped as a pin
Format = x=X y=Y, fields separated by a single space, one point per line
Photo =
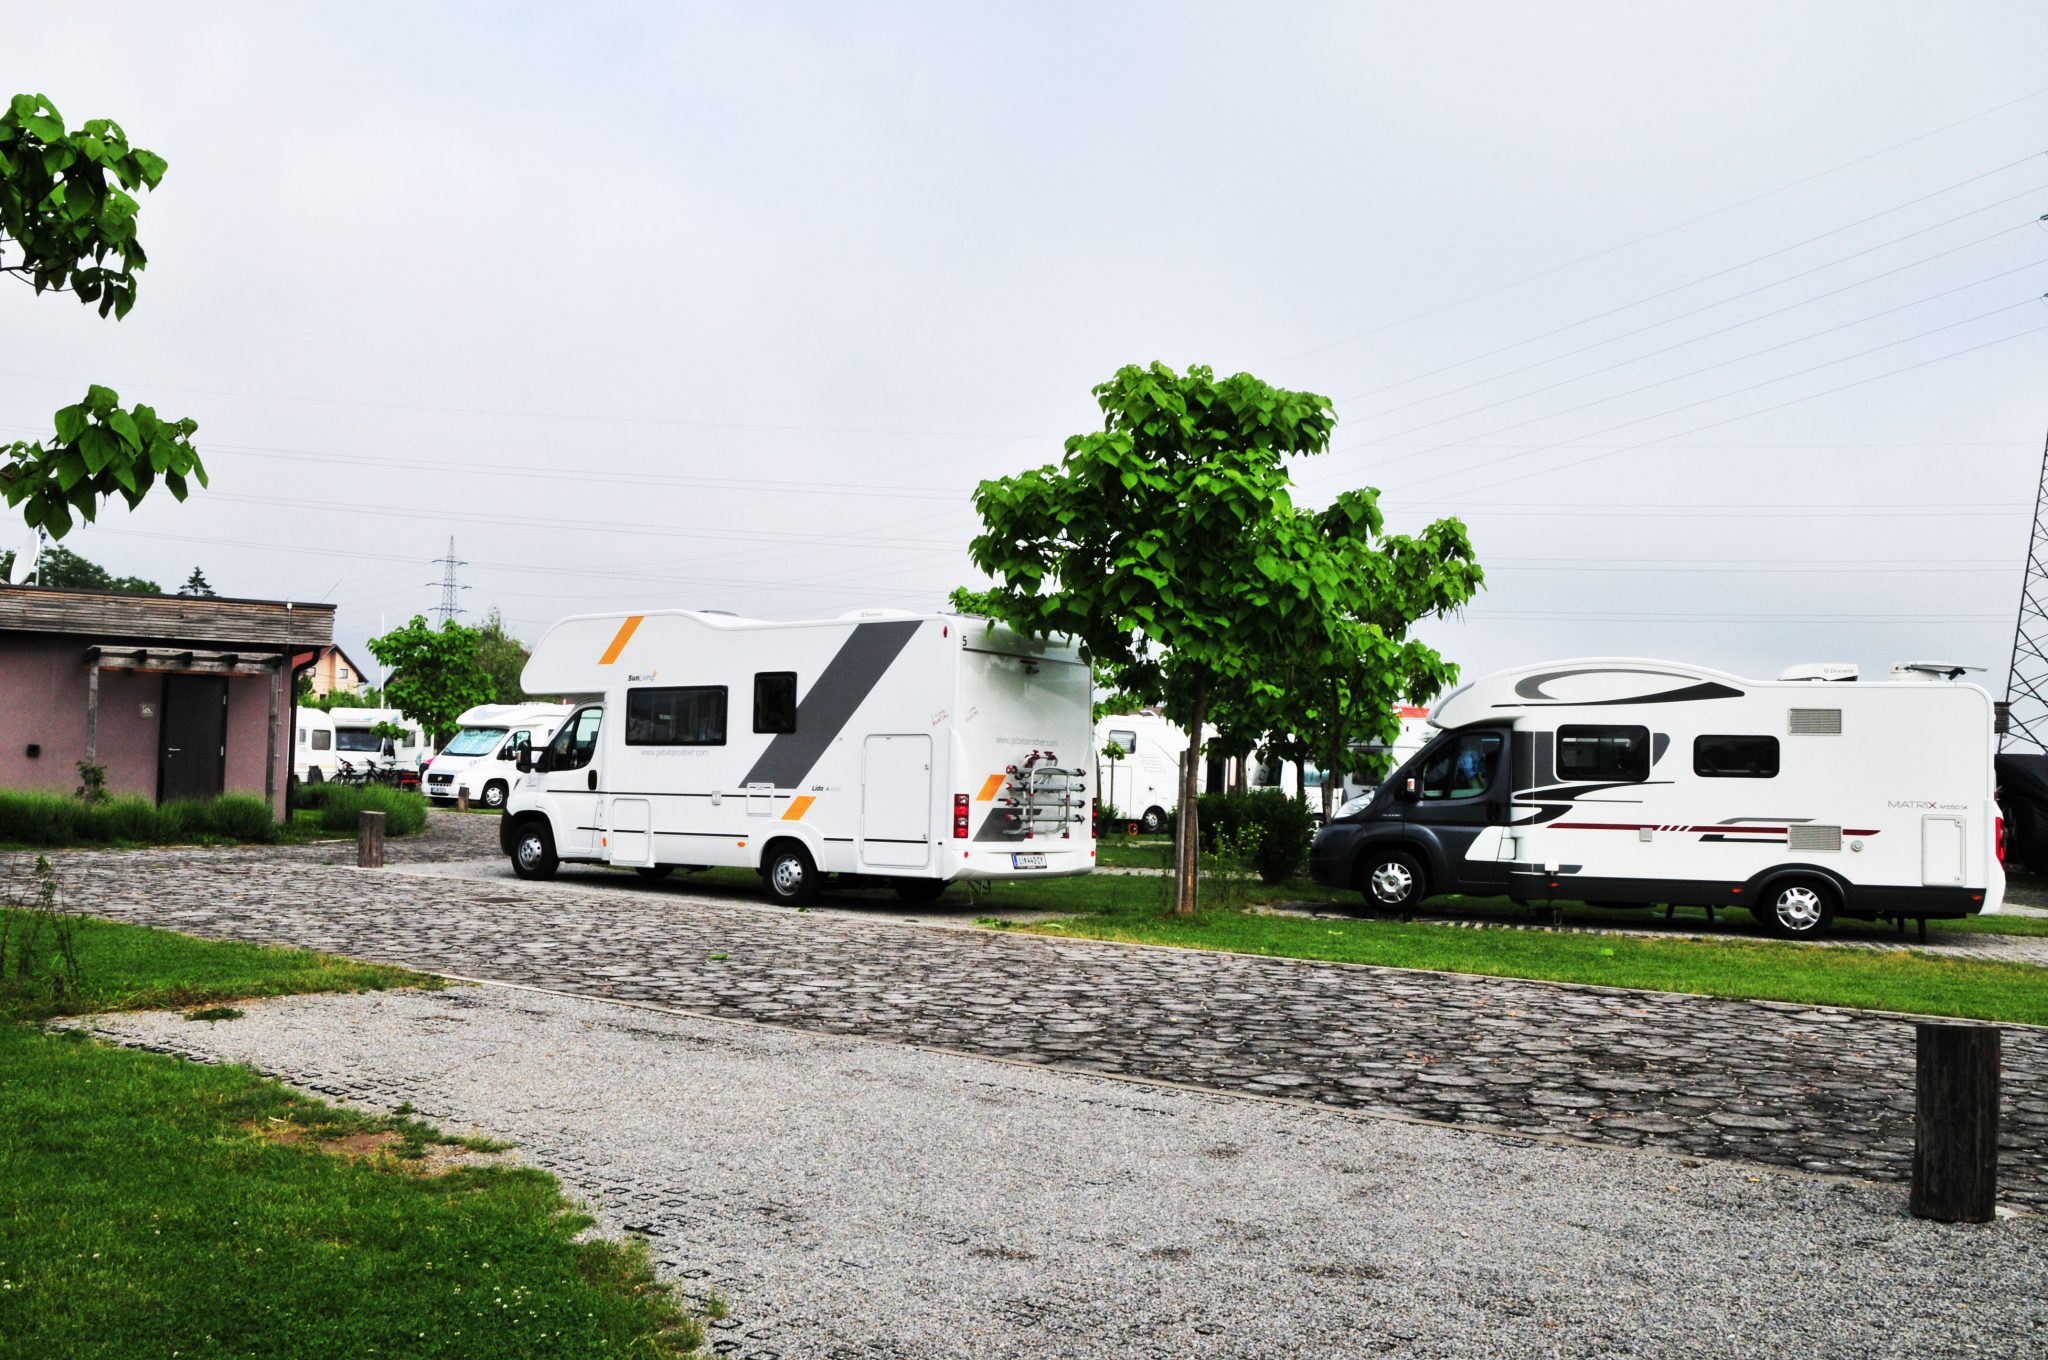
x=1392 y=880
x=655 y=870
x=920 y=891
x=1798 y=908
x=494 y=794
x=533 y=851
x=1153 y=822
x=791 y=877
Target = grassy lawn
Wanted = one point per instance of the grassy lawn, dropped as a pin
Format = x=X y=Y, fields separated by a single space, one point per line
x=155 y=1207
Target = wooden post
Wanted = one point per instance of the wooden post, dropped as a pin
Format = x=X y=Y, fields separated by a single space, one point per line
x=1955 y=1148
x=92 y=712
x=369 y=840
x=462 y=801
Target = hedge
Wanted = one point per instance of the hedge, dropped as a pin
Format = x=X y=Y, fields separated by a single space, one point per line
x=54 y=819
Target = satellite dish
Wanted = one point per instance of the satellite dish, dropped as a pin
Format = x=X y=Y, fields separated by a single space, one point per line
x=25 y=562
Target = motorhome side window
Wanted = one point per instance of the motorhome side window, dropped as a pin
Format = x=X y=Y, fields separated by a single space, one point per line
x=514 y=744
x=1618 y=754
x=1463 y=766
x=576 y=743
x=323 y=740
x=775 y=701
x=693 y=716
x=1735 y=757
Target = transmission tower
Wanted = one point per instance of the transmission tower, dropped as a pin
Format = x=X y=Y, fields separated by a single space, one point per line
x=448 y=609
x=2026 y=689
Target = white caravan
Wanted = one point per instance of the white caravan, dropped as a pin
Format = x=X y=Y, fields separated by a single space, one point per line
x=1143 y=784
x=313 y=757
x=1626 y=782
x=915 y=749
x=479 y=761
x=362 y=747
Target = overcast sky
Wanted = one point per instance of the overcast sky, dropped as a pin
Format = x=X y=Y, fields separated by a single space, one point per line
x=1720 y=325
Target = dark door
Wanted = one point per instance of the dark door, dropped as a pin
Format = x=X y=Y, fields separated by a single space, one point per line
x=193 y=757
x=1463 y=785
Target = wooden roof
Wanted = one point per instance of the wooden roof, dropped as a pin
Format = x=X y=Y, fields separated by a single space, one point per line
x=185 y=620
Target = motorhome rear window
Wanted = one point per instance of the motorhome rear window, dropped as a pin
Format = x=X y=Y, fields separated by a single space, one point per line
x=1735 y=757
x=1127 y=742
x=775 y=701
x=357 y=739
x=693 y=716
x=1621 y=754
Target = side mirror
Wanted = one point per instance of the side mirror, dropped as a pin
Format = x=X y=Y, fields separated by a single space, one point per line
x=523 y=758
x=1411 y=791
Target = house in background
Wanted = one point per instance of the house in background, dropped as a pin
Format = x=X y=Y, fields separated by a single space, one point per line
x=334 y=672
x=177 y=696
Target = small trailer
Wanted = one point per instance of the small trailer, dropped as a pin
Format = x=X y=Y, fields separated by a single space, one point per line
x=1627 y=782
x=906 y=749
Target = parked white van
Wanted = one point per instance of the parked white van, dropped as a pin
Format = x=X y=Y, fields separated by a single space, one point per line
x=911 y=749
x=313 y=754
x=479 y=760
x=1626 y=782
x=362 y=747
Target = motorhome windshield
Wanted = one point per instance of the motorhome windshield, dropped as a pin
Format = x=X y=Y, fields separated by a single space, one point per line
x=357 y=739
x=475 y=741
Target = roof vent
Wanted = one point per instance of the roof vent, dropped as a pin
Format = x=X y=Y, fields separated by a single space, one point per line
x=1817 y=722
x=1820 y=670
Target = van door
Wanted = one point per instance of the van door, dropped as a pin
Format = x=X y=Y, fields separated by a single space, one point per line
x=896 y=802
x=571 y=783
x=1462 y=806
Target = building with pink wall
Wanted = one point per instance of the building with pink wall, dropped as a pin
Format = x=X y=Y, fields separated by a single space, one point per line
x=177 y=696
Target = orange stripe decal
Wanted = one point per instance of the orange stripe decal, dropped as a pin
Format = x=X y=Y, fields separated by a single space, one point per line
x=798 y=807
x=620 y=639
x=990 y=789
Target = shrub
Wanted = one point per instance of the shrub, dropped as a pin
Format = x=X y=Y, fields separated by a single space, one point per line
x=39 y=818
x=304 y=795
x=130 y=819
x=236 y=816
x=404 y=813
x=1272 y=829
x=51 y=819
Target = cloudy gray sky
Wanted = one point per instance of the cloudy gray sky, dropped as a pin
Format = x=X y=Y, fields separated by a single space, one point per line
x=1719 y=324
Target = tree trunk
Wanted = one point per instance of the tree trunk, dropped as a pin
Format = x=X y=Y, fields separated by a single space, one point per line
x=1188 y=844
x=1301 y=777
x=1333 y=776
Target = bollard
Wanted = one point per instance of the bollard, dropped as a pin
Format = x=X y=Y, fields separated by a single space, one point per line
x=1955 y=1122
x=369 y=840
x=462 y=801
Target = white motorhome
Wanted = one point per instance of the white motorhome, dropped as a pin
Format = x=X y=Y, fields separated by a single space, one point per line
x=1626 y=782
x=313 y=754
x=359 y=744
x=479 y=761
x=1288 y=777
x=1142 y=784
x=912 y=749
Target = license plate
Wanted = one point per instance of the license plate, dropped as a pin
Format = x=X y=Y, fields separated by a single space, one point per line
x=1027 y=861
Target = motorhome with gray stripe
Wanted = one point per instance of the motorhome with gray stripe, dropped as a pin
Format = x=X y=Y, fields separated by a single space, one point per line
x=1627 y=782
x=913 y=749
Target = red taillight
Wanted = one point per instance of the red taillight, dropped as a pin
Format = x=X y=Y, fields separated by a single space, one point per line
x=1998 y=836
x=959 y=816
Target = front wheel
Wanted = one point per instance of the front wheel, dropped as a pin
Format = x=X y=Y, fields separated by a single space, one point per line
x=494 y=794
x=1798 y=908
x=533 y=852
x=1153 y=822
x=1392 y=880
x=791 y=877
x=920 y=891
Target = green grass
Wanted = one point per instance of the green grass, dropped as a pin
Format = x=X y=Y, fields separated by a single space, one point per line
x=154 y=1207
x=125 y=968
x=150 y=1207
x=31 y=820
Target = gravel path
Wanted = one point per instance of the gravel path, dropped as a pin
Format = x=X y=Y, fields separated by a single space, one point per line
x=862 y=1200
x=1825 y=1090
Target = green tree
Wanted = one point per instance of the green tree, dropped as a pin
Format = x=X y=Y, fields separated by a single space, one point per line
x=196 y=584
x=503 y=657
x=63 y=569
x=67 y=223
x=1167 y=543
x=435 y=673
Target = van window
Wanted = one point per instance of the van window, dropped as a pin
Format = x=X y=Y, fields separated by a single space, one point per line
x=1617 y=754
x=775 y=701
x=514 y=744
x=323 y=740
x=692 y=716
x=1735 y=757
x=1463 y=767
x=576 y=743
x=302 y=736
x=1125 y=741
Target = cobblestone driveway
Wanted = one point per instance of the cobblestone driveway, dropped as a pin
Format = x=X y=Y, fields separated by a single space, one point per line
x=1819 y=1089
